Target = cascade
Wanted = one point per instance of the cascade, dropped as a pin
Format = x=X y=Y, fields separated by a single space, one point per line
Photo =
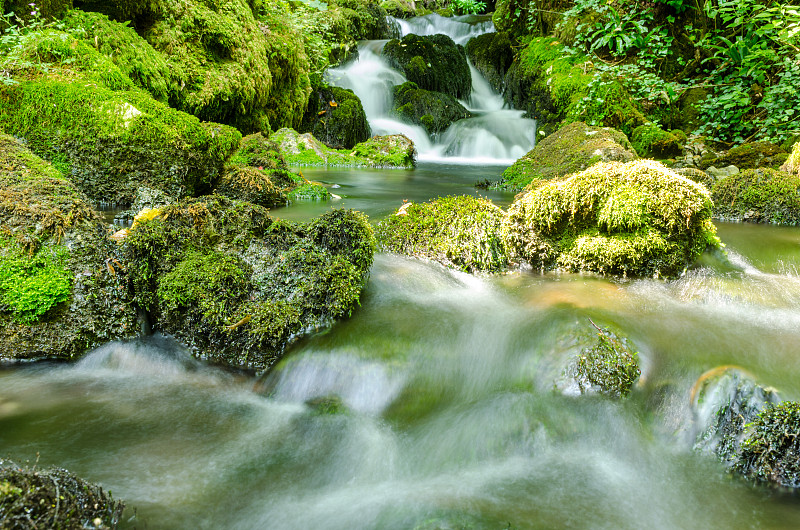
x=496 y=134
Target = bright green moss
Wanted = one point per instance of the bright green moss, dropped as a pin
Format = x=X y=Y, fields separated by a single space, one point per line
x=792 y=164
x=759 y=195
x=652 y=141
x=637 y=219
x=394 y=151
x=610 y=365
x=462 y=232
x=30 y=285
x=309 y=191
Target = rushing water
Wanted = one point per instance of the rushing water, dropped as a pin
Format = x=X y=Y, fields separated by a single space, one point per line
x=452 y=417
x=495 y=135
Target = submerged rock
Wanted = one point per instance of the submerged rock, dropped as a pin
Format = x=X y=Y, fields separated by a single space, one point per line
x=724 y=401
x=434 y=111
x=771 y=451
x=610 y=365
x=61 y=283
x=634 y=219
x=461 y=232
x=572 y=148
x=53 y=498
x=392 y=151
x=237 y=285
x=759 y=196
x=336 y=117
x=433 y=62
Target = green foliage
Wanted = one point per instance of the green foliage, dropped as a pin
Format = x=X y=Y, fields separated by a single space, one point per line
x=32 y=285
x=771 y=451
x=309 y=191
x=462 y=232
x=611 y=364
x=467 y=7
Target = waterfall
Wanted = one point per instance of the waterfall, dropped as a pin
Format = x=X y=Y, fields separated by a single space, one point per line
x=496 y=134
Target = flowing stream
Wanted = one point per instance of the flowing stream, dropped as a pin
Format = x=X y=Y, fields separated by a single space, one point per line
x=495 y=135
x=439 y=404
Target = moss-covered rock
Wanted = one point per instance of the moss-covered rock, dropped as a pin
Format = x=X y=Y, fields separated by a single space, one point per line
x=400 y=8
x=53 y=498
x=236 y=285
x=652 y=141
x=45 y=9
x=634 y=219
x=61 y=284
x=393 y=151
x=749 y=156
x=697 y=175
x=724 y=401
x=792 y=164
x=492 y=54
x=572 y=148
x=433 y=62
x=771 y=451
x=462 y=232
x=610 y=365
x=336 y=117
x=435 y=111
x=758 y=196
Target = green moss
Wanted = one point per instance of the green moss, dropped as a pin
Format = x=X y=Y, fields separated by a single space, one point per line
x=759 y=195
x=637 y=219
x=309 y=191
x=652 y=141
x=792 y=164
x=572 y=148
x=400 y=8
x=30 y=285
x=238 y=286
x=143 y=142
x=433 y=110
x=771 y=452
x=610 y=365
x=394 y=151
x=336 y=117
x=462 y=232
x=433 y=62
x=46 y=9
x=254 y=185
x=751 y=155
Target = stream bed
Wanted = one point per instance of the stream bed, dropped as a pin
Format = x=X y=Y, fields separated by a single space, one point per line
x=436 y=405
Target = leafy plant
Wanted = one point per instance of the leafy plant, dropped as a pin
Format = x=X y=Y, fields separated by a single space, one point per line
x=467 y=7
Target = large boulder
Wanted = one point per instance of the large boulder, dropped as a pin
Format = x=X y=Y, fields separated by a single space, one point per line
x=109 y=137
x=392 y=151
x=633 y=219
x=336 y=117
x=61 y=282
x=492 y=54
x=572 y=148
x=462 y=232
x=758 y=195
x=435 y=111
x=433 y=62
x=53 y=498
x=236 y=285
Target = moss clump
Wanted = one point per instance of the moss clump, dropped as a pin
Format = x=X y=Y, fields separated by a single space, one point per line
x=53 y=498
x=237 y=285
x=393 y=151
x=433 y=62
x=697 y=175
x=652 y=141
x=336 y=117
x=309 y=191
x=253 y=185
x=59 y=278
x=433 y=110
x=634 y=219
x=572 y=148
x=30 y=285
x=400 y=8
x=610 y=365
x=82 y=105
x=759 y=196
x=462 y=232
x=771 y=452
